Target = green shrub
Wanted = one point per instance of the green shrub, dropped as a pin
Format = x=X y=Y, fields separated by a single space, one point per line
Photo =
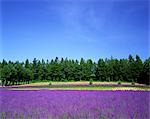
x=91 y=82
x=119 y=82
x=50 y=83
x=133 y=83
x=65 y=80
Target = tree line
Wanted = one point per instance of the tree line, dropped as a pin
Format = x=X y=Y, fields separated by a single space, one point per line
x=125 y=70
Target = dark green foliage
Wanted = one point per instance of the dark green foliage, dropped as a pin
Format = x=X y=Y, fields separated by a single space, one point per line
x=127 y=70
x=131 y=69
x=101 y=70
x=144 y=77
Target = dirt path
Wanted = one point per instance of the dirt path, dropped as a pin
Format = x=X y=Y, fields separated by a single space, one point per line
x=76 y=83
x=78 y=86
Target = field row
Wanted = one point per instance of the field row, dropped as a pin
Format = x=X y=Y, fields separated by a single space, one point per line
x=67 y=104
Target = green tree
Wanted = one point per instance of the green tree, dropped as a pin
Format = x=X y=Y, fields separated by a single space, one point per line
x=35 y=69
x=138 y=67
x=27 y=64
x=131 y=69
x=123 y=67
x=6 y=75
x=101 y=70
x=20 y=72
x=12 y=73
x=28 y=75
x=144 y=77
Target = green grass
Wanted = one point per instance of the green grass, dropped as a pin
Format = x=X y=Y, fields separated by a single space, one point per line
x=90 y=88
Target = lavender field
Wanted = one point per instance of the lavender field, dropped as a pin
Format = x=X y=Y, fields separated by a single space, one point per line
x=71 y=104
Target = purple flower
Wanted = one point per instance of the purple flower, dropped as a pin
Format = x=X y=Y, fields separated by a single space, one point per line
x=72 y=104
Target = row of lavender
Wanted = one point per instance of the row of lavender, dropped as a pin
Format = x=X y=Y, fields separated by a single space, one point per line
x=48 y=104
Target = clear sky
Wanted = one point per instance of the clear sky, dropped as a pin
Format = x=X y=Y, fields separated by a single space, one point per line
x=74 y=29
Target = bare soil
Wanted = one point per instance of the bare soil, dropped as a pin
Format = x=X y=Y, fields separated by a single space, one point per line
x=79 y=86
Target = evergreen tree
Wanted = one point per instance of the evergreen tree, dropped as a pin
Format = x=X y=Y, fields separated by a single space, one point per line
x=144 y=77
x=12 y=73
x=131 y=69
x=138 y=67
x=101 y=70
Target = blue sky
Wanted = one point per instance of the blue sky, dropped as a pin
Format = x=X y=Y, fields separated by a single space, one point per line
x=74 y=29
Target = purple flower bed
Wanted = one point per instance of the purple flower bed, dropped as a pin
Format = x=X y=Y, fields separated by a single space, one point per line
x=57 y=104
